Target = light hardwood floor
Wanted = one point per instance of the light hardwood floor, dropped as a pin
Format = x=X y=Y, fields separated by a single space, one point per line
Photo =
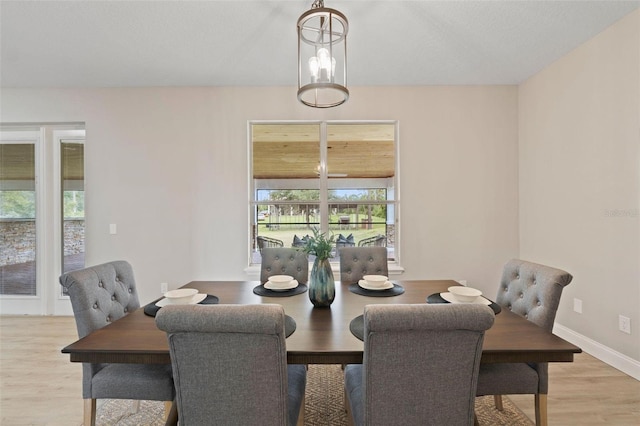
x=39 y=386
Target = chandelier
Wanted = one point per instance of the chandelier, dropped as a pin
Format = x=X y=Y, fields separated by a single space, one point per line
x=322 y=57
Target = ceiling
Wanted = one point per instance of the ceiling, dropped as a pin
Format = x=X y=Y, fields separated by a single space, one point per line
x=292 y=151
x=253 y=43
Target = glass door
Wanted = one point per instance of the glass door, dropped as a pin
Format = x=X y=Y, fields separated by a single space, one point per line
x=19 y=225
x=41 y=217
x=69 y=206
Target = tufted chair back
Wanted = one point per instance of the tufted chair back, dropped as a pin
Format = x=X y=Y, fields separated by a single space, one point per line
x=420 y=364
x=356 y=262
x=532 y=291
x=284 y=261
x=230 y=365
x=99 y=295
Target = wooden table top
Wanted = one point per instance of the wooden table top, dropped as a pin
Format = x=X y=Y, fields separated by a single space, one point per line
x=322 y=335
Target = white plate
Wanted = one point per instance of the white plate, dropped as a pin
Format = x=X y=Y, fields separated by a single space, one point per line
x=452 y=299
x=196 y=299
x=270 y=286
x=363 y=284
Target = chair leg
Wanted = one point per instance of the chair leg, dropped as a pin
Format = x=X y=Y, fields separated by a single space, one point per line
x=301 y=413
x=541 y=409
x=168 y=405
x=89 y=412
x=497 y=399
x=172 y=417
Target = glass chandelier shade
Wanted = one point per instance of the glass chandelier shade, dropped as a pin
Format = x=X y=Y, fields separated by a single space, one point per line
x=322 y=57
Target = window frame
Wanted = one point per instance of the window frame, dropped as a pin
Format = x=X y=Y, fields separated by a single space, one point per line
x=60 y=137
x=392 y=202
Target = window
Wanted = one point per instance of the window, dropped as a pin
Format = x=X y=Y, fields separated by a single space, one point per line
x=337 y=176
x=18 y=214
x=72 y=187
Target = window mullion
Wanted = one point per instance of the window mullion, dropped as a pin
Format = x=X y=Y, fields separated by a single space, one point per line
x=324 y=185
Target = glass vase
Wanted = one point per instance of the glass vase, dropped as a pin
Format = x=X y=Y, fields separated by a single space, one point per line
x=322 y=286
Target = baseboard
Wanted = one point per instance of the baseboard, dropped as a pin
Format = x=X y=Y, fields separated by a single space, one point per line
x=605 y=354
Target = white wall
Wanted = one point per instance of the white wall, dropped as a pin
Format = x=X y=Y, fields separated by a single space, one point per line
x=580 y=181
x=169 y=167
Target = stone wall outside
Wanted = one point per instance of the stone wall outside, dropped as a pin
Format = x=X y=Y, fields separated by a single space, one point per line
x=18 y=242
x=391 y=235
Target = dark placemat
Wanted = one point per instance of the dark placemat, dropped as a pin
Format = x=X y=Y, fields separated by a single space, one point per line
x=151 y=309
x=395 y=291
x=356 y=326
x=289 y=323
x=289 y=326
x=437 y=298
x=261 y=291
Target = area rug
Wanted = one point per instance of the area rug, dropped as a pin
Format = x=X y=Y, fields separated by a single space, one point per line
x=324 y=402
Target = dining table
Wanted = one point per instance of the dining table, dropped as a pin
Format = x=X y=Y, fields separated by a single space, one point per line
x=320 y=335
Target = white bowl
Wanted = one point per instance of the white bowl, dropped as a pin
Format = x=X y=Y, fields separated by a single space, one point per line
x=375 y=280
x=181 y=296
x=280 y=280
x=464 y=294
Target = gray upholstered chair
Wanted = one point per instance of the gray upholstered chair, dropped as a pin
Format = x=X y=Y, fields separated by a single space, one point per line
x=355 y=262
x=284 y=261
x=532 y=291
x=420 y=365
x=230 y=365
x=100 y=295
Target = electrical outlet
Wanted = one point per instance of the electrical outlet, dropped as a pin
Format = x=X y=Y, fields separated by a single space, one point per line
x=113 y=229
x=164 y=287
x=577 y=305
x=624 y=324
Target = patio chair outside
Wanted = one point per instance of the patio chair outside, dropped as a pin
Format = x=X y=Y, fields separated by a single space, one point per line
x=268 y=242
x=377 y=241
x=299 y=242
x=343 y=241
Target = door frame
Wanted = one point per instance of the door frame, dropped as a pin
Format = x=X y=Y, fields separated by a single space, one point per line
x=49 y=299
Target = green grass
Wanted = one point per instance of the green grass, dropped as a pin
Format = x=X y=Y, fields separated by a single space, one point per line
x=289 y=226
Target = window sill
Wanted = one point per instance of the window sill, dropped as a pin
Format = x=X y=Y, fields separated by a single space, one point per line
x=253 y=271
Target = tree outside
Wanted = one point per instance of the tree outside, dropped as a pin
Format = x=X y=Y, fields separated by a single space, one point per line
x=289 y=213
x=22 y=204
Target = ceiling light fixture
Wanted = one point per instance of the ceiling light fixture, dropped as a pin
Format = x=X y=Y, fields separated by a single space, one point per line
x=322 y=57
